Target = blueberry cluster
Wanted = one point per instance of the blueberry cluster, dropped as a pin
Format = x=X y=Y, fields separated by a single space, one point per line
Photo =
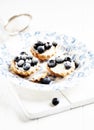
x=42 y=47
x=25 y=61
x=59 y=60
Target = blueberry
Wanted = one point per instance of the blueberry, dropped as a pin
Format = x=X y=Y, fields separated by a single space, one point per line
x=55 y=101
x=67 y=59
x=28 y=61
x=29 y=57
x=16 y=59
x=76 y=64
x=35 y=46
x=59 y=59
x=47 y=45
x=51 y=63
x=45 y=80
x=34 y=62
x=26 y=66
x=40 y=43
x=67 y=65
x=23 y=57
x=40 y=49
x=20 y=63
x=23 y=53
x=54 y=44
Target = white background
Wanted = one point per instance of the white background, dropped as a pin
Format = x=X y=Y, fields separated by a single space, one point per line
x=71 y=17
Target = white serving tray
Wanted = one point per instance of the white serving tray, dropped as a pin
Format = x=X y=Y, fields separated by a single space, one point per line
x=33 y=100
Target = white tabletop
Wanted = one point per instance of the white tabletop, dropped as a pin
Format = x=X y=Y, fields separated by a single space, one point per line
x=73 y=18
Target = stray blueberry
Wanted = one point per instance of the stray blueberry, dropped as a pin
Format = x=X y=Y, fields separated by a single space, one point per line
x=55 y=101
x=45 y=80
x=40 y=49
x=51 y=63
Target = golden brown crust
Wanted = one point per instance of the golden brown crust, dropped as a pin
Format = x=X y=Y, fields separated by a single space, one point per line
x=62 y=74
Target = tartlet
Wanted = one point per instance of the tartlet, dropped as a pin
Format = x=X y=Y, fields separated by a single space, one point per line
x=44 y=50
x=61 y=65
x=24 y=64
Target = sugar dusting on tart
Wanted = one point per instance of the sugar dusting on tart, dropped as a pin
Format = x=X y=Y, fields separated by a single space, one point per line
x=43 y=64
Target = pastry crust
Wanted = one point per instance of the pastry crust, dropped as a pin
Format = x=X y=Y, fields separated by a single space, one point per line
x=62 y=73
x=46 y=55
x=14 y=69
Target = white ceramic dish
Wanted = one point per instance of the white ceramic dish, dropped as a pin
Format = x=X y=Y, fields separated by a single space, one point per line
x=24 y=40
